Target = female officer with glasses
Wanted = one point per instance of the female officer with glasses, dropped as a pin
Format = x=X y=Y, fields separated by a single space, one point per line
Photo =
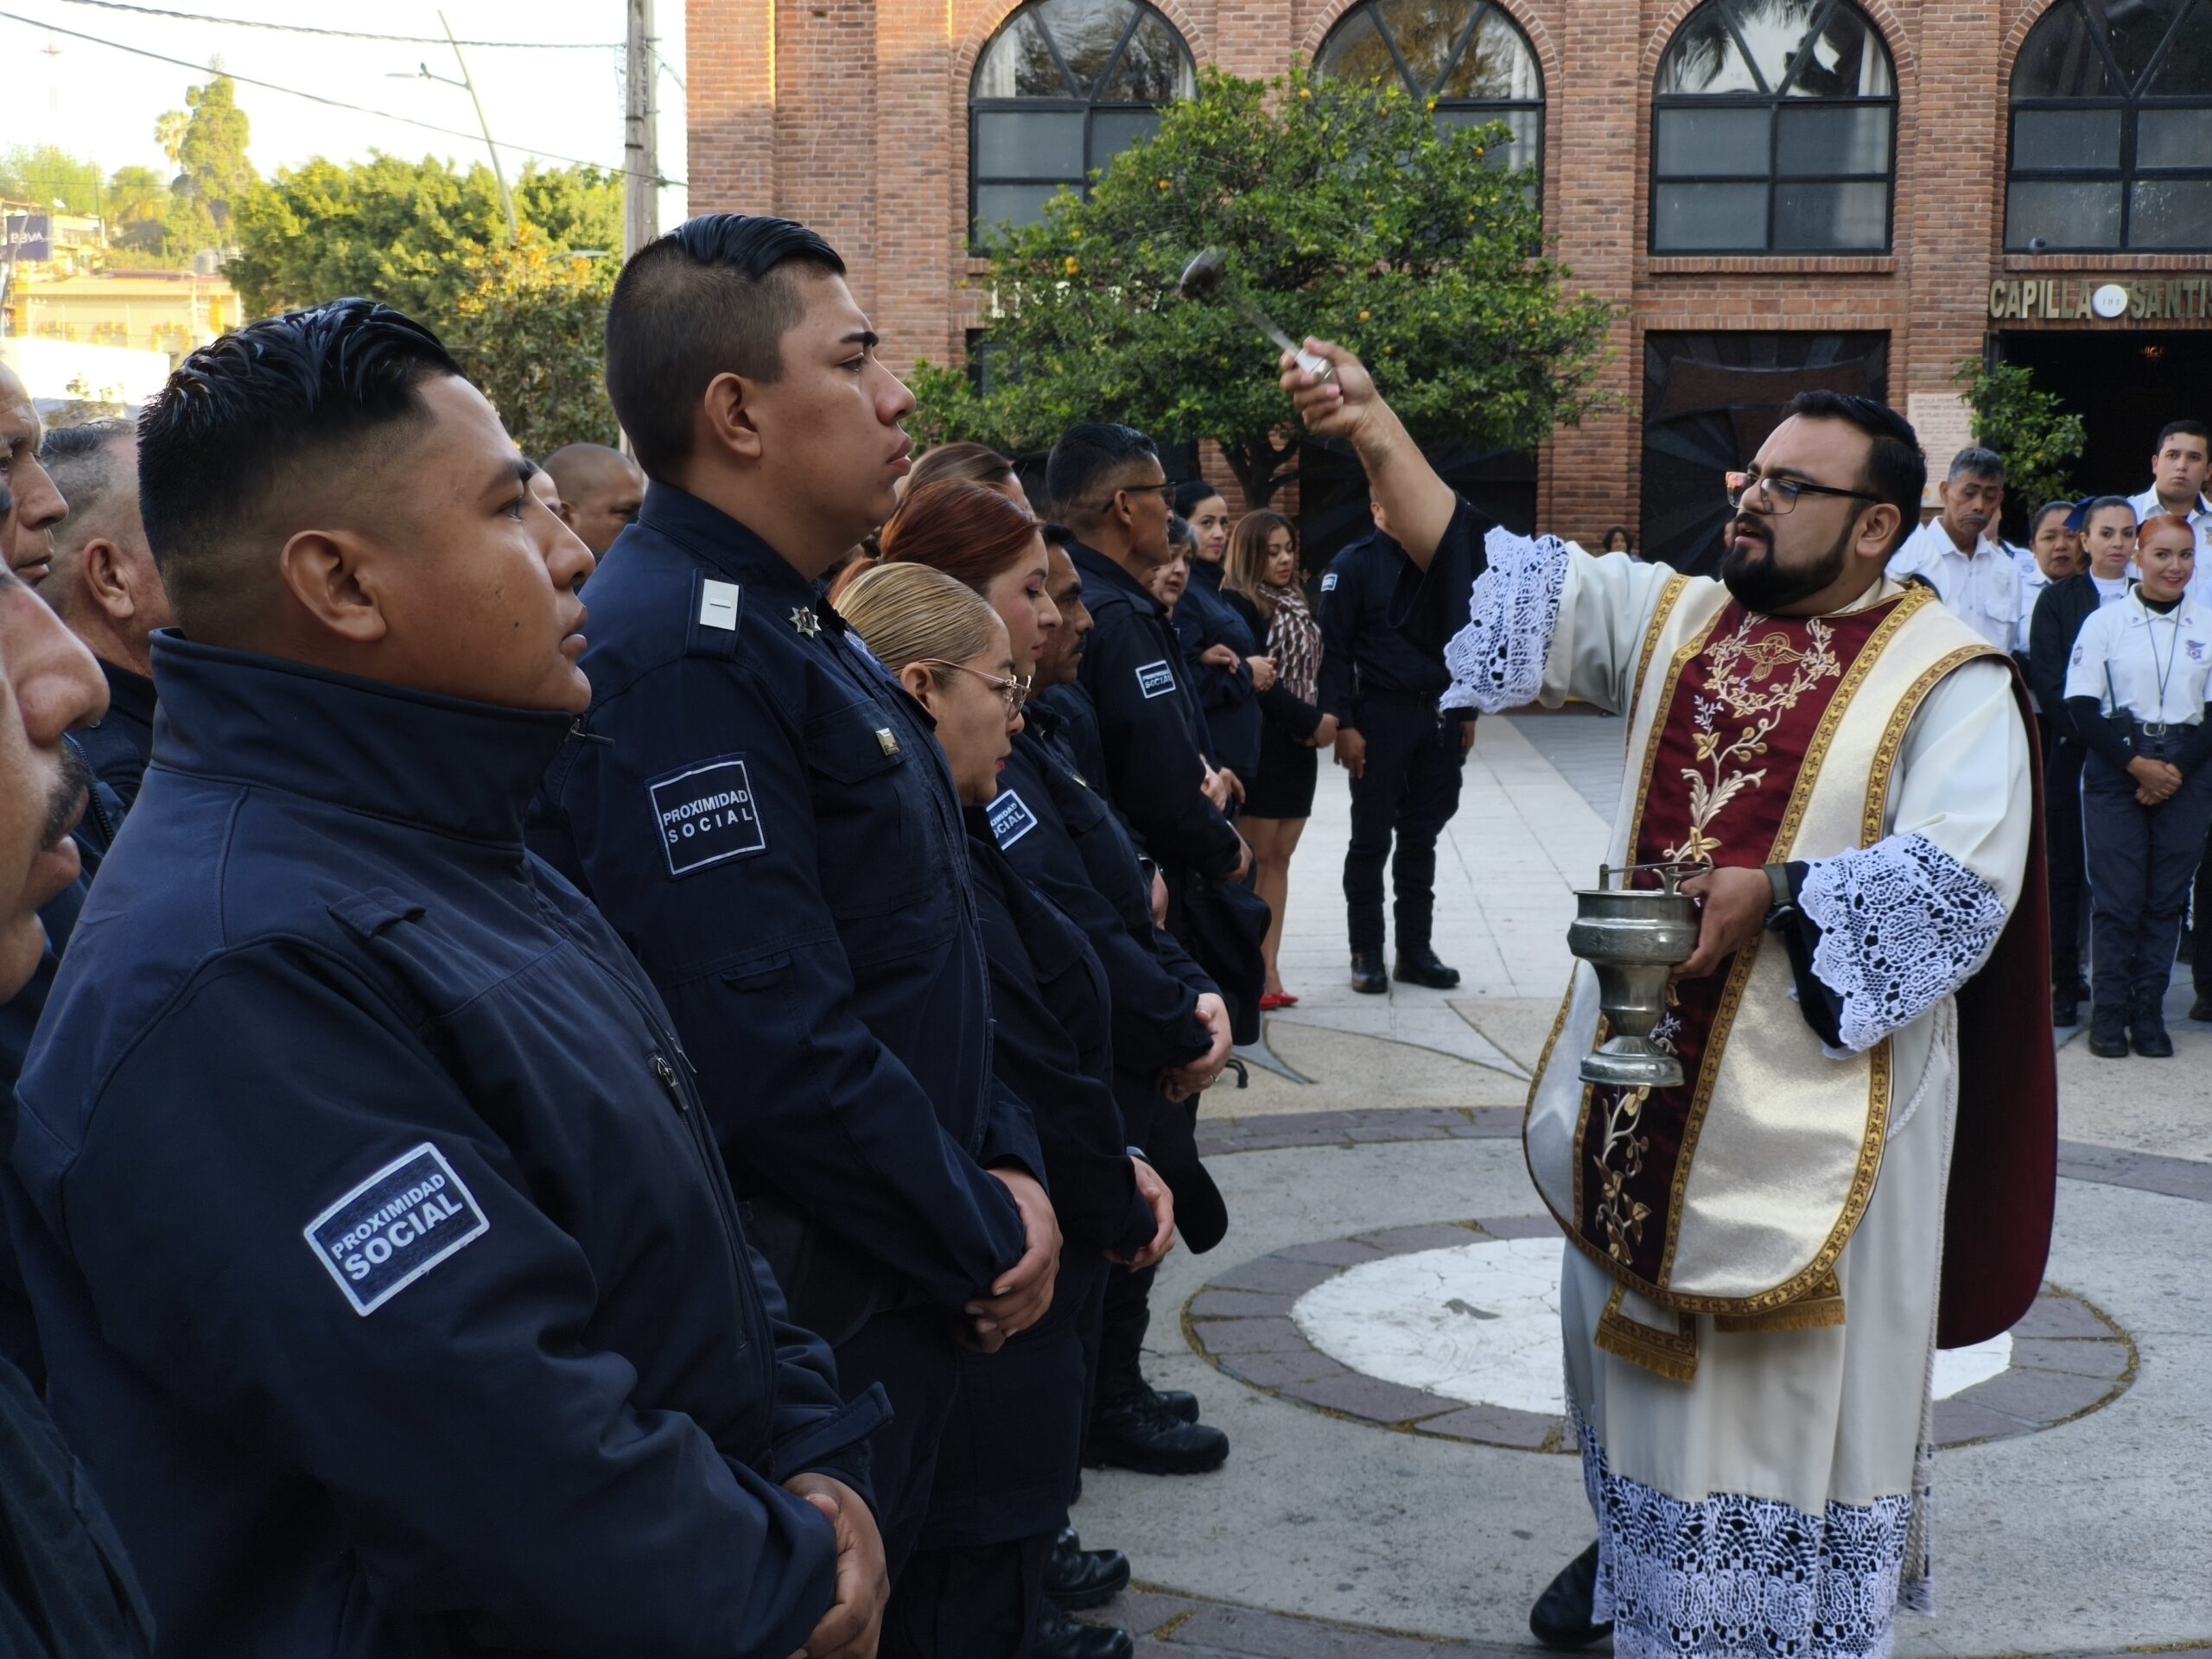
x=2136 y=688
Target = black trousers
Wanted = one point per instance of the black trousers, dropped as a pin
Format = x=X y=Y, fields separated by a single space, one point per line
x=916 y=1355
x=2200 y=940
x=2140 y=859
x=978 y=1601
x=1409 y=789
x=2062 y=818
x=1118 y=1373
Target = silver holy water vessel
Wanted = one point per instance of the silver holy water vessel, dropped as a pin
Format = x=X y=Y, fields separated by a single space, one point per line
x=1635 y=938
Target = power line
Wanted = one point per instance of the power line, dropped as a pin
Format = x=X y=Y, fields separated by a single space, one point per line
x=348 y=34
x=314 y=97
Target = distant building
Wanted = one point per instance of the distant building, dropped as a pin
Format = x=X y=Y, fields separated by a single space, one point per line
x=167 y=311
x=1778 y=194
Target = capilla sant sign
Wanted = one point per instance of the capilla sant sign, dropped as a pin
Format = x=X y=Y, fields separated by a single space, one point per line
x=2112 y=299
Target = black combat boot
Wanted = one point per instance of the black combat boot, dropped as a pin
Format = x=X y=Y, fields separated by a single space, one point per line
x=1136 y=1432
x=2108 y=1032
x=1367 y=972
x=2146 y=1023
x=1059 y=1636
x=1418 y=965
x=1077 y=1578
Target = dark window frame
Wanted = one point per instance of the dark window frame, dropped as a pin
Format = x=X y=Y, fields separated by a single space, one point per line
x=1774 y=100
x=1489 y=108
x=2126 y=173
x=1089 y=109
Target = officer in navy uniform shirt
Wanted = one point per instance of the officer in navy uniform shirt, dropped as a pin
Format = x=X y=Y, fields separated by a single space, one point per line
x=1109 y=488
x=768 y=824
x=387 y=1277
x=1405 y=758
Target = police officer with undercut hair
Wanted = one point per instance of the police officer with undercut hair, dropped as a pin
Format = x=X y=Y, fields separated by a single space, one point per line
x=764 y=816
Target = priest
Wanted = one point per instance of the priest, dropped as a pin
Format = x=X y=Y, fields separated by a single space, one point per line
x=1860 y=1165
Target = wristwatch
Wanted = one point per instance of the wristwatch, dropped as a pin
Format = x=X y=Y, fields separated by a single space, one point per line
x=1784 y=906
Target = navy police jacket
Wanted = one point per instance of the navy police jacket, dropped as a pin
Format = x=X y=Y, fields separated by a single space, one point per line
x=769 y=824
x=1061 y=835
x=1362 y=653
x=1133 y=668
x=1203 y=618
x=388 y=1280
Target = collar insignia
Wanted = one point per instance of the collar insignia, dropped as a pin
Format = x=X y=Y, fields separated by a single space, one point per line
x=885 y=739
x=805 y=619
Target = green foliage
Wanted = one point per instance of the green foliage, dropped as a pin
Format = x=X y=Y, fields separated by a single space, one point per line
x=208 y=140
x=527 y=328
x=2030 y=428
x=43 y=173
x=403 y=232
x=1347 y=214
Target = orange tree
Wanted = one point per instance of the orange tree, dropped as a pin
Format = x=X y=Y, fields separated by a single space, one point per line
x=1346 y=213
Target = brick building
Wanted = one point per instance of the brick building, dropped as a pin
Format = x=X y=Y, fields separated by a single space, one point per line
x=1777 y=194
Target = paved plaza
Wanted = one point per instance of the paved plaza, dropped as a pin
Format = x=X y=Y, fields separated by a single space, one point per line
x=1377 y=1334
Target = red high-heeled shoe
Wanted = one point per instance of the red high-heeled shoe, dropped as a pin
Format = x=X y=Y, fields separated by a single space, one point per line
x=1274 y=999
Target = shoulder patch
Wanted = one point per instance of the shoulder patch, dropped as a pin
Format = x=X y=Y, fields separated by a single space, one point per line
x=1010 y=819
x=705 y=814
x=718 y=604
x=1329 y=582
x=1155 y=679
x=395 y=1227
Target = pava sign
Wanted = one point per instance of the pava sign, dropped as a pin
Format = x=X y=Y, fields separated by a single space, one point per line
x=2130 y=299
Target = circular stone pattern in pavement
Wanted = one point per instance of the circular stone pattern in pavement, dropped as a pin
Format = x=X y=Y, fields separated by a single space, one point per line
x=1452 y=1329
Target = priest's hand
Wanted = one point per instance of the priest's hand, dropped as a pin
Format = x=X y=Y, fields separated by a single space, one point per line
x=1732 y=903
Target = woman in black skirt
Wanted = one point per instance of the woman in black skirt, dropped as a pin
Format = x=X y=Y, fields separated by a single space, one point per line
x=1263 y=585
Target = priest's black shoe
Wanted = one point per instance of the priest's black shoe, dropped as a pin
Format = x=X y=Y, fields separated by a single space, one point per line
x=1077 y=1578
x=2148 y=1028
x=1059 y=1636
x=1367 y=972
x=1138 y=1433
x=1560 y=1618
x=1420 y=967
x=2108 y=1034
x=1176 y=1402
x=2065 y=1010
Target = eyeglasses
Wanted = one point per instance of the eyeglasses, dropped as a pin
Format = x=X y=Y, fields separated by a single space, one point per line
x=1163 y=490
x=1013 y=692
x=1778 y=495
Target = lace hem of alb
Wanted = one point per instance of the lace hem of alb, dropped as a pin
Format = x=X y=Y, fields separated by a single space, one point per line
x=1732 y=1577
x=1903 y=926
x=1497 y=661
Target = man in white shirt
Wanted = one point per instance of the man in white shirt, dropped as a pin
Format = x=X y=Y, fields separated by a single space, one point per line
x=2178 y=469
x=1956 y=554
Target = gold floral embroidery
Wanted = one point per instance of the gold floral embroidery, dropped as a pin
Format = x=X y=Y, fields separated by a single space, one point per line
x=1622 y=1216
x=1745 y=687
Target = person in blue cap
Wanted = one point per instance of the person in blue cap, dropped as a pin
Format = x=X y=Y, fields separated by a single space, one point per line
x=768 y=823
x=388 y=1280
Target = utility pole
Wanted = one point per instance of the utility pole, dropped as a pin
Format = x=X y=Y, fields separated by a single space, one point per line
x=514 y=231
x=640 y=133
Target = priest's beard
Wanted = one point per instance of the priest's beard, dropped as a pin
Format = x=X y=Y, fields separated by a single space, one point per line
x=1761 y=585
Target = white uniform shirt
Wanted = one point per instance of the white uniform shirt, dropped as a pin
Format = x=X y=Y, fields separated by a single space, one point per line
x=2200 y=520
x=1983 y=591
x=2138 y=649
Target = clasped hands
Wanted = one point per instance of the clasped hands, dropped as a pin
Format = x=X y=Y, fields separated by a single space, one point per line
x=2155 y=780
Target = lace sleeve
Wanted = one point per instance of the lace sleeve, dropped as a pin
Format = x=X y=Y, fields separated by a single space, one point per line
x=1903 y=926
x=1497 y=661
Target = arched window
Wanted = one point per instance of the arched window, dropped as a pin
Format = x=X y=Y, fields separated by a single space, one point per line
x=2112 y=128
x=1467 y=54
x=1773 y=130
x=1064 y=87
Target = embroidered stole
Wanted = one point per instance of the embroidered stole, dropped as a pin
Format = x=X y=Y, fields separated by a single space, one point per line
x=1764 y=739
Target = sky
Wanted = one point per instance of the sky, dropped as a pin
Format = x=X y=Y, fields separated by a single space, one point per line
x=96 y=101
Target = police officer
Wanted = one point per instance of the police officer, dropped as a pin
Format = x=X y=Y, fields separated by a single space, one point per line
x=2136 y=688
x=1406 y=757
x=388 y=1278
x=2107 y=530
x=769 y=825
x=1171 y=1027
x=1222 y=661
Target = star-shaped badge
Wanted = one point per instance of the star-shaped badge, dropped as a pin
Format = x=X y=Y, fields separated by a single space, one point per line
x=805 y=619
